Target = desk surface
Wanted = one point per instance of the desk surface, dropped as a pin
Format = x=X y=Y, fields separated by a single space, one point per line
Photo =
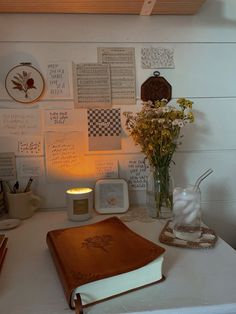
x=197 y=281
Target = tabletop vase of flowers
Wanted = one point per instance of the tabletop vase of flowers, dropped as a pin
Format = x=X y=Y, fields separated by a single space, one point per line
x=156 y=128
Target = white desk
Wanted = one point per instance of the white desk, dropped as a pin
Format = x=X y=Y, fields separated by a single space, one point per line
x=197 y=281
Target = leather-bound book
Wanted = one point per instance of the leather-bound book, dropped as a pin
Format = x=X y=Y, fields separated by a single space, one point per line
x=3 y=249
x=98 y=261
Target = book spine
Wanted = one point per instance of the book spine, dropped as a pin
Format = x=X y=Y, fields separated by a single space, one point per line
x=60 y=269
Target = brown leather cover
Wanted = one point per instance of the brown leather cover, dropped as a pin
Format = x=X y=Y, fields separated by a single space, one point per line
x=96 y=251
x=3 y=250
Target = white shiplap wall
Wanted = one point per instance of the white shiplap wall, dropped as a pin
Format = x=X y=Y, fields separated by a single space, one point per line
x=205 y=67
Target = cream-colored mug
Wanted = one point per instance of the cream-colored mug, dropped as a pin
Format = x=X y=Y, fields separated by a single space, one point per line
x=22 y=205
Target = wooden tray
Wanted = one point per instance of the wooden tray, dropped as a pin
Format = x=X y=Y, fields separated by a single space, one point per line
x=206 y=241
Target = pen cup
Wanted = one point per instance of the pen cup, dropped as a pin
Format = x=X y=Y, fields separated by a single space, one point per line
x=22 y=205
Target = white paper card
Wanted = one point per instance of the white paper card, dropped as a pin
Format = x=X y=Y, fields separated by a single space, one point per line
x=106 y=168
x=136 y=172
x=160 y=57
x=58 y=119
x=58 y=80
x=63 y=159
x=30 y=167
x=29 y=146
x=20 y=122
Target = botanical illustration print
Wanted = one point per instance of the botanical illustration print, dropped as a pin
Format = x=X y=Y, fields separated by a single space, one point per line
x=111 y=196
x=99 y=242
x=23 y=82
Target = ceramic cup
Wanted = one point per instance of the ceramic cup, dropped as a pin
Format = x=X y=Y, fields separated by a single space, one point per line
x=22 y=205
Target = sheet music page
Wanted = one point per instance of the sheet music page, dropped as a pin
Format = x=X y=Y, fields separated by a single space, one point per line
x=92 y=85
x=7 y=166
x=122 y=64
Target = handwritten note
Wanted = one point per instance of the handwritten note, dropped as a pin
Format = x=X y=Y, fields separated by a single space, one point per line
x=30 y=146
x=136 y=174
x=106 y=168
x=57 y=78
x=63 y=154
x=159 y=57
x=30 y=167
x=54 y=119
x=20 y=122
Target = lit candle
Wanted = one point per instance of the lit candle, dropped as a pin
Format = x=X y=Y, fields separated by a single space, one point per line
x=79 y=203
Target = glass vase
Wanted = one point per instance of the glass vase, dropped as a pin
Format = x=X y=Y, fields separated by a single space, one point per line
x=159 y=193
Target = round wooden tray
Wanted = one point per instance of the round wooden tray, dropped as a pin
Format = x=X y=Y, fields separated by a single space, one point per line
x=206 y=241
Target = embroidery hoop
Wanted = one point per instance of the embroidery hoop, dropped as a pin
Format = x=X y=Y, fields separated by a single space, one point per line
x=31 y=90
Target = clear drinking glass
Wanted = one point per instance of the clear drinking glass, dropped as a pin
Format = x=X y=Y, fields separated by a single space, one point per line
x=187 y=213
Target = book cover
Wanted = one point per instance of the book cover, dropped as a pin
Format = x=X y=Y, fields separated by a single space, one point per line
x=3 y=249
x=104 y=259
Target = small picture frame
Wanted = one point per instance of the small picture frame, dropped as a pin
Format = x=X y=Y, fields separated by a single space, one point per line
x=111 y=196
x=24 y=83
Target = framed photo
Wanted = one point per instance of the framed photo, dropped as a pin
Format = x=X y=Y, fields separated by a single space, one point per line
x=111 y=196
x=24 y=83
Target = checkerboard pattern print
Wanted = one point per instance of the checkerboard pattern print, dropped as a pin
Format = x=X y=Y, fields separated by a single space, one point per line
x=104 y=122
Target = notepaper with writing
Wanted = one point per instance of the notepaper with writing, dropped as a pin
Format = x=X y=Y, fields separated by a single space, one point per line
x=106 y=168
x=63 y=155
x=135 y=173
x=57 y=119
x=157 y=57
x=7 y=166
x=58 y=80
x=30 y=167
x=20 y=122
x=30 y=146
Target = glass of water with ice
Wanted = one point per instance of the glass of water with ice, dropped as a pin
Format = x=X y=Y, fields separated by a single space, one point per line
x=187 y=213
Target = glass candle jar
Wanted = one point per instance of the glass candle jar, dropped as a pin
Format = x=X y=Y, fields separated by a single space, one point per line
x=79 y=203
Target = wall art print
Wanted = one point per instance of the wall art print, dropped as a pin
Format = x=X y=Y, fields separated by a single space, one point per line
x=104 y=129
x=24 y=83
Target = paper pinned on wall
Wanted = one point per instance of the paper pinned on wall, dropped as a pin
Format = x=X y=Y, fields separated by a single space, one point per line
x=104 y=129
x=158 y=57
x=122 y=65
x=106 y=168
x=29 y=146
x=30 y=167
x=58 y=80
x=92 y=85
x=63 y=155
x=7 y=166
x=135 y=172
x=57 y=119
x=20 y=122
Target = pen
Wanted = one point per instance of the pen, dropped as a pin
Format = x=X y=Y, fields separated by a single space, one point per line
x=16 y=187
x=27 y=188
x=9 y=187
